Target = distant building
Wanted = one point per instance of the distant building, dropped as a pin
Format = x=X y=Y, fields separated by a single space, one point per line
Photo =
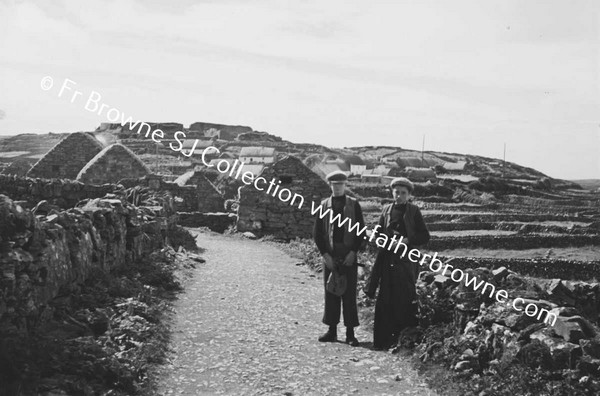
x=219 y=131
x=257 y=155
x=459 y=165
x=389 y=160
x=357 y=169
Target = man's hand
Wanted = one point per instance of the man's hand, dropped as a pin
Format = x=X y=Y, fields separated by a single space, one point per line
x=396 y=243
x=350 y=259
x=328 y=260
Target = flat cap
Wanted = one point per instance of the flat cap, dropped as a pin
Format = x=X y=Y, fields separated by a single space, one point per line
x=336 y=176
x=402 y=181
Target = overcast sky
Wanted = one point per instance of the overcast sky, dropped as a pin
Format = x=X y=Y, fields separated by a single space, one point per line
x=470 y=75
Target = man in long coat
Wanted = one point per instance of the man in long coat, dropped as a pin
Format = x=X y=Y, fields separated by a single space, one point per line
x=396 y=276
x=339 y=247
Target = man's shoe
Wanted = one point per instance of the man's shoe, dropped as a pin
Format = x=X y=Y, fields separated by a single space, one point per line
x=330 y=336
x=352 y=341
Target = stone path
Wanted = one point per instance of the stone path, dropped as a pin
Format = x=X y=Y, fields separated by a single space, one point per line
x=248 y=323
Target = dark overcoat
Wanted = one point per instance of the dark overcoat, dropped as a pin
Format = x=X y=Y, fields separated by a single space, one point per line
x=396 y=306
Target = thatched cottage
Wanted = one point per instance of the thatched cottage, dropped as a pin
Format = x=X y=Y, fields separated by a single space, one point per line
x=67 y=157
x=112 y=164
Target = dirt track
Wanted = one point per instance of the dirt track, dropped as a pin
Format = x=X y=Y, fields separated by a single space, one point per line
x=248 y=323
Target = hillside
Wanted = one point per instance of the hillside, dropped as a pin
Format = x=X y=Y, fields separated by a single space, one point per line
x=368 y=163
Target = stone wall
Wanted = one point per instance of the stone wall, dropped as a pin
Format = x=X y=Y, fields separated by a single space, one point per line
x=512 y=242
x=187 y=198
x=489 y=335
x=41 y=254
x=497 y=217
x=217 y=222
x=262 y=213
x=228 y=132
x=65 y=160
x=209 y=199
x=542 y=268
x=62 y=193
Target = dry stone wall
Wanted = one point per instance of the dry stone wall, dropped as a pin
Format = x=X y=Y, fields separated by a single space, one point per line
x=538 y=267
x=513 y=242
x=41 y=254
x=218 y=222
x=60 y=192
x=187 y=198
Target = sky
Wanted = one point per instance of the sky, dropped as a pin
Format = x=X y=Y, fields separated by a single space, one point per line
x=466 y=76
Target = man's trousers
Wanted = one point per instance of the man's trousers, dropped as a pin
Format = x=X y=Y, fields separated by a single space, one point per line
x=331 y=316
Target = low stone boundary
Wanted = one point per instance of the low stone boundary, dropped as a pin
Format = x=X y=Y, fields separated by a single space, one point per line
x=41 y=254
x=542 y=268
x=497 y=217
x=217 y=222
x=512 y=242
x=60 y=192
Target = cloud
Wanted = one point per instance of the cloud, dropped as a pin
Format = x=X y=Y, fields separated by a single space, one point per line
x=469 y=75
x=2 y=114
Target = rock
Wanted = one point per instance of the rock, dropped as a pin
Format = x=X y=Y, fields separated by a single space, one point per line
x=519 y=321
x=472 y=327
x=468 y=354
x=44 y=208
x=565 y=355
x=500 y=273
x=590 y=348
x=536 y=355
x=249 y=235
x=462 y=365
x=564 y=311
x=427 y=276
x=515 y=281
x=587 y=327
x=525 y=334
x=196 y=258
x=559 y=293
x=463 y=314
x=589 y=366
x=442 y=281
x=569 y=329
x=574 y=327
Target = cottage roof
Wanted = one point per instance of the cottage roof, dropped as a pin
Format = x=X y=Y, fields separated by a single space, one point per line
x=82 y=144
x=105 y=161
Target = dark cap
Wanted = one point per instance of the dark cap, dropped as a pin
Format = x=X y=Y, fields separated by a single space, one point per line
x=402 y=181
x=337 y=176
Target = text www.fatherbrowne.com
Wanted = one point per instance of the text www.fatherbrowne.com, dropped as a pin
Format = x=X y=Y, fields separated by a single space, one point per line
x=456 y=274
x=94 y=104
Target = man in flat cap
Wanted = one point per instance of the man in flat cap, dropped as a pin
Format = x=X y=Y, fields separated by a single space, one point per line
x=396 y=276
x=339 y=247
